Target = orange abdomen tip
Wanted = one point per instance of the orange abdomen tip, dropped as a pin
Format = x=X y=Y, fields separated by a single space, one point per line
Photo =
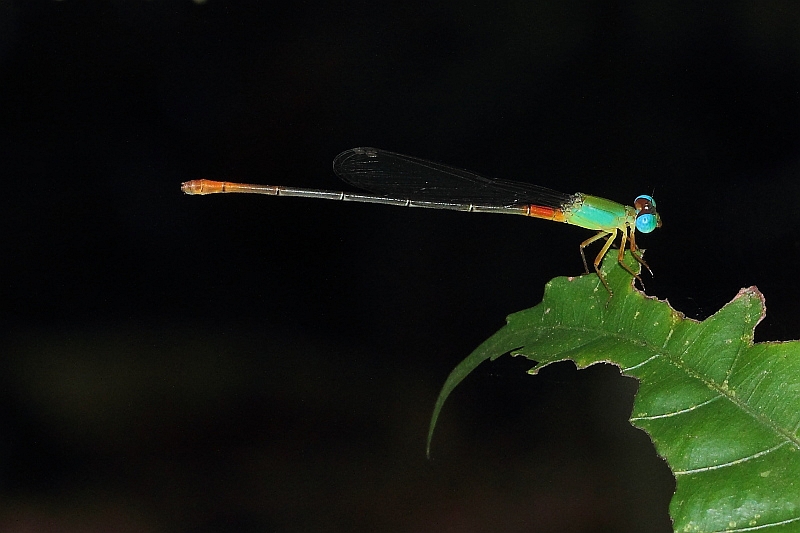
x=202 y=187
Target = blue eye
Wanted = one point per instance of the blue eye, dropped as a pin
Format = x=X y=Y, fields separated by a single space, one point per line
x=646 y=223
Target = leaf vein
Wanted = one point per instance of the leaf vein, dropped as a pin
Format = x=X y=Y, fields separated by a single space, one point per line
x=679 y=412
x=634 y=367
x=729 y=463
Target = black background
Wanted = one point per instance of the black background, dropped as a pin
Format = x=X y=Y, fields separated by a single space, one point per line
x=244 y=363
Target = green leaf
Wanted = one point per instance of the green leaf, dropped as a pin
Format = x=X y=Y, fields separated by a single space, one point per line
x=722 y=411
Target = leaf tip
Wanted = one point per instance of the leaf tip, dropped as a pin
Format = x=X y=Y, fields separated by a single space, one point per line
x=752 y=296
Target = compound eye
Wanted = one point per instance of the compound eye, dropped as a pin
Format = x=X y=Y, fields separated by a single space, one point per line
x=646 y=222
x=644 y=203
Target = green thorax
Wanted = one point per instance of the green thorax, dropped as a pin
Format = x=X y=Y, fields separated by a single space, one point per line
x=593 y=212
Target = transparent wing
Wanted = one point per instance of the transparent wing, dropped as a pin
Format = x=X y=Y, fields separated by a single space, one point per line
x=407 y=177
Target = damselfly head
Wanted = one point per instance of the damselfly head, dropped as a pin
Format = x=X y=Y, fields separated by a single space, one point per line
x=647 y=218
